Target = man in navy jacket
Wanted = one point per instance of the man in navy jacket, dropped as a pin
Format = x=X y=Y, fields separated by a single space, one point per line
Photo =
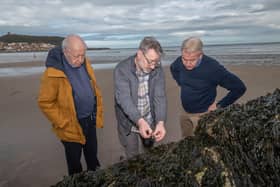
x=198 y=76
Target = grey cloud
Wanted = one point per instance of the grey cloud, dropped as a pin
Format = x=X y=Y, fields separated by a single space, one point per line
x=120 y=2
x=270 y=5
x=127 y=20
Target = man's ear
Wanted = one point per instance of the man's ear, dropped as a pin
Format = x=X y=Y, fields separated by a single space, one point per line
x=200 y=56
x=138 y=53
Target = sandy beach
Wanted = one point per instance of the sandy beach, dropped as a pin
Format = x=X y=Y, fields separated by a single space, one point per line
x=31 y=155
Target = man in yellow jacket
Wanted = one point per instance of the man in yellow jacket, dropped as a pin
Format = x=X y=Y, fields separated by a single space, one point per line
x=71 y=100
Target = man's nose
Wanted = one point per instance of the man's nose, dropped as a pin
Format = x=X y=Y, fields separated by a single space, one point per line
x=81 y=58
x=152 y=66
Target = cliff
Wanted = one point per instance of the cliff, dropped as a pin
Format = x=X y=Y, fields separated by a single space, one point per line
x=15 y=38
x=25 y=43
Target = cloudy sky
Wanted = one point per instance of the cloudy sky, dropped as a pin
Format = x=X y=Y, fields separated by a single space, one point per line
x=123 y=23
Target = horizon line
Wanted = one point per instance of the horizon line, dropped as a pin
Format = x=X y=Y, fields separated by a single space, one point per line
x=225 y=44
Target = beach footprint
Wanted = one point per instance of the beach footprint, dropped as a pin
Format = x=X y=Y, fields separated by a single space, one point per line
x=15 y=92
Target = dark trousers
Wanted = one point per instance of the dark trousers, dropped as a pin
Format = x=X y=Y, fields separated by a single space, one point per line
x=73 y=150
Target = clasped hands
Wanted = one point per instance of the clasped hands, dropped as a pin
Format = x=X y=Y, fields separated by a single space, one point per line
x=146 y=131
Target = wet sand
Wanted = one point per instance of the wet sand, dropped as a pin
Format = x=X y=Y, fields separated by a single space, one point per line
x=31 y=155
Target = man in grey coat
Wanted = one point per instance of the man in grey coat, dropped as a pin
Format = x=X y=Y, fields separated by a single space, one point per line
x=140 y=99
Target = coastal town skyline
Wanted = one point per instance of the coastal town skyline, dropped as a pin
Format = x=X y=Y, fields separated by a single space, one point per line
x=117 y=24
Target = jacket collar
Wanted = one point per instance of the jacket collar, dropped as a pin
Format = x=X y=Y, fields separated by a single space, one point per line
x=53 y=72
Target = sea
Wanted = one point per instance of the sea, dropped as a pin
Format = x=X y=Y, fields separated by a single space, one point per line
x=235 y=54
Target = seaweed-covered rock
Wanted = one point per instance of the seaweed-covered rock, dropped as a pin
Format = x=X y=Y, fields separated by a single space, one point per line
x=235 y=146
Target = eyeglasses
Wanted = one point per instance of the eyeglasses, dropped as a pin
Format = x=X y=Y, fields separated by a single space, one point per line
x=191 y=61
x=151 y=63
x=75 y=56
x=191 y=58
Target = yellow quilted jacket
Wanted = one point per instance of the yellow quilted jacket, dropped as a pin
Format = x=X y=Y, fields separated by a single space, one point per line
x=56 y=102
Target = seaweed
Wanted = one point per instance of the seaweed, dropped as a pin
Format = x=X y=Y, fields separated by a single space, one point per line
x=235 y=146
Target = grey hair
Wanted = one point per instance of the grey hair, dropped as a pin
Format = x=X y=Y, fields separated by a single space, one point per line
x=65 y=43
x=150 y=42
x=192 y=44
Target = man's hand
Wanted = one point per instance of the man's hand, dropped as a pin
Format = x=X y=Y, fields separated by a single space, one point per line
x=159 y=132
x=212 y=107
x=144 y=128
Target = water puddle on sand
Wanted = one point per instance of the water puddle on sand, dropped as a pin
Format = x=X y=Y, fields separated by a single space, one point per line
x=21 y=71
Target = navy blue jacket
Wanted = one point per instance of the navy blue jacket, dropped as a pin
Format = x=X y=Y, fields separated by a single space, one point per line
x=199 y=85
